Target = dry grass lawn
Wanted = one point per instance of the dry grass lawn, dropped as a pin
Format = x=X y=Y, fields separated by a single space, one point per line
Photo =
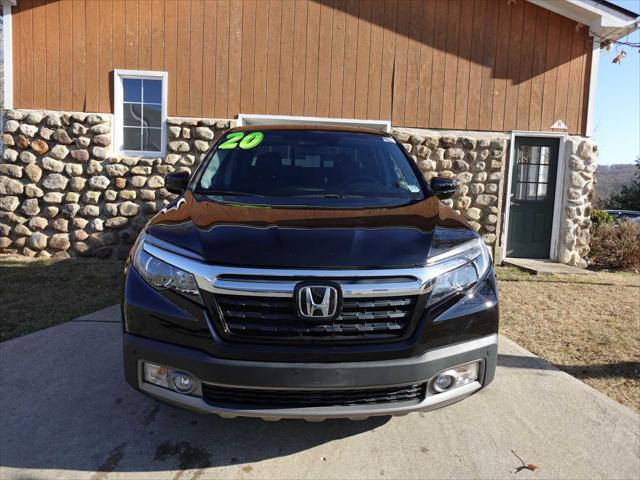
x=586 y=325
x=37 y=293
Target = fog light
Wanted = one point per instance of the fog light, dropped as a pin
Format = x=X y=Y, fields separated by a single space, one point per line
x=156 y=374
x=456 y=377
x=182 y=382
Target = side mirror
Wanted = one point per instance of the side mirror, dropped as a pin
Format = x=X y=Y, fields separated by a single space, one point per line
x=176 y=182
x=443 y=187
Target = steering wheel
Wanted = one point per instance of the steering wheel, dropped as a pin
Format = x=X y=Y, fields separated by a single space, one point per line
x=363 y=179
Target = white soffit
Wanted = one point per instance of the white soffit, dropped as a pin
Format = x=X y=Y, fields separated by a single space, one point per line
x=249 y=119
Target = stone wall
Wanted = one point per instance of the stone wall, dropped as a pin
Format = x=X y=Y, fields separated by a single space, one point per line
x=62 y=193
x=477 y=162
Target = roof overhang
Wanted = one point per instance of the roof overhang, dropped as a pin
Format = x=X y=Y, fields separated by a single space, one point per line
x=10 y=3
x=603 y=18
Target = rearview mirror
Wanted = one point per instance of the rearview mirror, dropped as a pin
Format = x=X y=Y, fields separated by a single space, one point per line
x=176 y=182
x=443 y=187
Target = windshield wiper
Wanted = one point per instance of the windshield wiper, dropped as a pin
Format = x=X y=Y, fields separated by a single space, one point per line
x=227 y=192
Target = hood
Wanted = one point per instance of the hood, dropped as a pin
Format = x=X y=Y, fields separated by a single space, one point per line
x=284 y=237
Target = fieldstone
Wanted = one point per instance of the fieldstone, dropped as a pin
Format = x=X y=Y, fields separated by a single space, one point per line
x=80 y=222
x=23 y=142
x=138 y=181
x=59 y=241
x=40 y=147
x=464 y=177
x=484 y=154
x=464 y=203
x=187 y=160
x=428 y=165
x=102 y=140
x=476 y=188
x=28 y=130
x=497 y=144
x=129 y=209
x=116 y=222
x=475 y=225
x=174 y=132
x=96 y=225
x=127 y=195
x=53 y=197
x=100 y=152
x=34 y=118
x=5 y=242
x=492 y=188
x=486 y=199
x=38 y=223
x=496 y=154
x=83 y=142
x=179 y=146
x=43 y=254
x=489 y=238
x=80 y=235
x=131 y=161
x=201 y=145
x=496 y=165
x=92 y=196
x=454 y=154
x=7 y=139
x=32 y=191
x=46 y=133
x=10 y=155
x=38 y=241
x=27 y=157
x=30 y=207
x=460 y=166
x=73 y=169
x=100 y=129
x=94 y=119
x=72 y=197
x=116 y=170
x=21 y=230
x=585 y=149
x=55 y=181
x=77 y=183
x=172 y=158
x=147 y=195
x=120 y=182
x=4 y=229
x=59 y=152
x=81 y=248
x=490 y=228
x=577 y=180
x=53 y=120
x=463 y=189
x=60 y=224
x=473 y=213
x=484 y=143
x=52 y=165
x=11 y=170
x=155 y=182
x=478 y=166
x=100 y=182
x=165 y=169
x=11 y=126
x=149 y=207
x=111 y=209
x=110 y=195
x=576 y=163
x=10 y=186
x=447 y=141
x=467 y=143
x=495 y=176
x=80 y=155
x=491 y=219
x=94 y=167
x=51 y=211
x=78 y=129
x=91 y=211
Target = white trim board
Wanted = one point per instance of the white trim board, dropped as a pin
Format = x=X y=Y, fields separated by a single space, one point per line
x=7 y=52
x=249 y=119
x=118 y=75
x=559 y=194
x=593 y=87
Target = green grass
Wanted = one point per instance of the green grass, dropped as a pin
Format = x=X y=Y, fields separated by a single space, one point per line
x=37 y=294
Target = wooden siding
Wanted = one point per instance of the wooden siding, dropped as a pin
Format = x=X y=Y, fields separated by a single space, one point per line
x=463 y=64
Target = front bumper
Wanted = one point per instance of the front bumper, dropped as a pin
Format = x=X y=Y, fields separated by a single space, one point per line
x=308 y=376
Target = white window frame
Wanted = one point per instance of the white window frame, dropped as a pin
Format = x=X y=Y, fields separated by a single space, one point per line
x=118 y=100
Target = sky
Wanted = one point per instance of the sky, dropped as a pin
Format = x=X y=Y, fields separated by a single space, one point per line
x=617 y=112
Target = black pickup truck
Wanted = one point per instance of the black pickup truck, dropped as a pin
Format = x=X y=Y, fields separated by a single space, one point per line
x=309 y=272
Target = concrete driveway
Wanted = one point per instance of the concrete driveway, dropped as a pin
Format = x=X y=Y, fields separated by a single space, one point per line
x=66 y=412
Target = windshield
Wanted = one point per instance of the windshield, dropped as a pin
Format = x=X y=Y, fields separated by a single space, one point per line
x=298 y=164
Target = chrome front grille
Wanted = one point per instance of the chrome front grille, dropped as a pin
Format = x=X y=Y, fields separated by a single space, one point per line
x=275 y=318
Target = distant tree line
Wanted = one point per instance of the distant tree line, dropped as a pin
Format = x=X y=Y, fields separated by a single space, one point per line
x=628 y=196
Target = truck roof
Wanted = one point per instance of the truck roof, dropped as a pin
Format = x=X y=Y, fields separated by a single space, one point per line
x=306 y=127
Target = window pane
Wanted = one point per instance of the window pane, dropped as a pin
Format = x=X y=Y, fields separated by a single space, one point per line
x=131 y=138
x=132 y=114
x=531 y=191
x=542 y=191
x=152 y=91
x=543 y=175
x=545 y=155
x=152 y=116
x=132 y=89
x=151 y=139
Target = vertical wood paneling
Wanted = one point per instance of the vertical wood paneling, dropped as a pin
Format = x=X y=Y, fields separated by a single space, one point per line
x=105 y=10
x=235 y=59
x=388 y=55
x=195 y=58
x=324 y=59
x=209 y=16
x=464 y=64
x=273 y=54
x=286 y=58
x=170 y=54
x=311 y=59
x=184 y=40
x=413 y=62
x=451 y=64
x=427 y=20
x=260 y=60
x=349 y=72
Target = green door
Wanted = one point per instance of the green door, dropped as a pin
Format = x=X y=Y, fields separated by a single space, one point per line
x=533 y=186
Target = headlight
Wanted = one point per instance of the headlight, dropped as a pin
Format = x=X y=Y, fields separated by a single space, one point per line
x=461 y=268
x=162 y=275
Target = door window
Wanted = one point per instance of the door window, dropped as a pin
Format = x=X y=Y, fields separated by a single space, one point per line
x=532 y=172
